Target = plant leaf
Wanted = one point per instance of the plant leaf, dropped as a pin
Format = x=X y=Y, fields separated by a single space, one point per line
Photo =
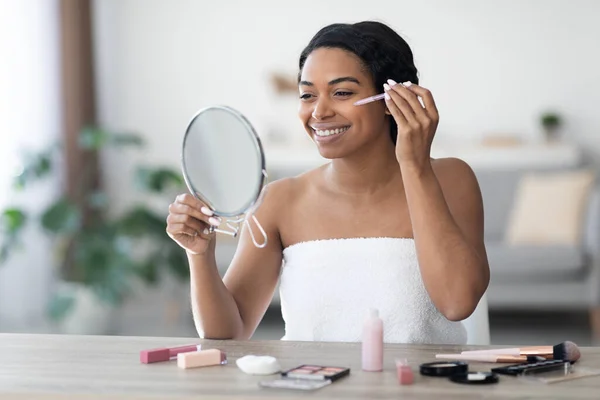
x=141 y=221
x=35 y=168
x=176 y=261
x=157 y=180
x=62 y=217
x=127 y=139
x=148 y=271
x=98 y=200
x=12 y=220
x=92 y=138
x=59 y=306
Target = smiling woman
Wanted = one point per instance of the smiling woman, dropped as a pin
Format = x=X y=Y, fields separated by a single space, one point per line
x=382 y=225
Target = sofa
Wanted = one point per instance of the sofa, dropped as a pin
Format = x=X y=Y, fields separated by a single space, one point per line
x=539 y=277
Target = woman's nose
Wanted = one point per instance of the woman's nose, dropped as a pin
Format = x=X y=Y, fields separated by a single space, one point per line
x=322 y=110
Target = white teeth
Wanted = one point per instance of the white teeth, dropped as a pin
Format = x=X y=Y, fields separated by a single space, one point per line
x=330 y=132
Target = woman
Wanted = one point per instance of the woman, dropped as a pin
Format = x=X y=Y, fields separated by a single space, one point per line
x=380 y=226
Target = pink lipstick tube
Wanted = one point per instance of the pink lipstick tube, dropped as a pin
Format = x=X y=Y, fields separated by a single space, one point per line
x=166 y=354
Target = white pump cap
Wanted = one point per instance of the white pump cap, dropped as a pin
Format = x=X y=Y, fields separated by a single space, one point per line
x=374 y=313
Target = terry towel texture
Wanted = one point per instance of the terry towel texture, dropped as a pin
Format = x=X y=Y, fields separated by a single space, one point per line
x=328 y=286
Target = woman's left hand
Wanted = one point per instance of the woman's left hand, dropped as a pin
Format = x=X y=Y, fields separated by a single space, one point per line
x=416 y=124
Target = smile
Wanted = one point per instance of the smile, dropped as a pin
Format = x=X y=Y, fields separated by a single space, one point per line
x=329 y=132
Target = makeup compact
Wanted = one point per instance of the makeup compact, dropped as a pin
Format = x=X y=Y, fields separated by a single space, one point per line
x=458 y=371
x=444 y=368
x=475 y=378
x=307 y=377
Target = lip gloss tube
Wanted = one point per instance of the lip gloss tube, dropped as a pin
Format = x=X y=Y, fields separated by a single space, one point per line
x=166 y=354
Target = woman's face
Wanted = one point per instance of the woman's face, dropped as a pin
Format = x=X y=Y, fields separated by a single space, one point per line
x=331 y=81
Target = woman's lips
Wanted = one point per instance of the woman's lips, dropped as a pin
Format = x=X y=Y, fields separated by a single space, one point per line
x=329 y=135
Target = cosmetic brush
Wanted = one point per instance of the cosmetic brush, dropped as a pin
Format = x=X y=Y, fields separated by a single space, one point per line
x=371 y=99
x=493 y=358
x=563 y=351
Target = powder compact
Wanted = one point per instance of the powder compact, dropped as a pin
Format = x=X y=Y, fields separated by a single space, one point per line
x=444 y=368
x=307 y=377
x=475 y=378
x=458 y=371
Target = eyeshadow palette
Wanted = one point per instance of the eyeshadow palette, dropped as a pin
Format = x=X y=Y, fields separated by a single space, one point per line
x=307 y=377
x=316 y=372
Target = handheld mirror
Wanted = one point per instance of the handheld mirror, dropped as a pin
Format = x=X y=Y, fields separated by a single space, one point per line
x=223 y=166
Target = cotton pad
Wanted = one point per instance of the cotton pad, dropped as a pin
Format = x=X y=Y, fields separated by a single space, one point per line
x=258 y=365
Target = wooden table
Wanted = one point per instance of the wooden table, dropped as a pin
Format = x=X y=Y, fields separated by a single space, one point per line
x=91 y=367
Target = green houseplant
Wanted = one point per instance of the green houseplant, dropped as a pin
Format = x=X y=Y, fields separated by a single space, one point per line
x=94 y=250
x=551 y=123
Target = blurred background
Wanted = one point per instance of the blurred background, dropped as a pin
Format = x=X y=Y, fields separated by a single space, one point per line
x=95 y=97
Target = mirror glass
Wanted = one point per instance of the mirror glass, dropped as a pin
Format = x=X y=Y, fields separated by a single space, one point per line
x=223 y=163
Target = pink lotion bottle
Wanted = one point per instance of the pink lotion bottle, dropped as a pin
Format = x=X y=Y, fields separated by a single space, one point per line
x=372 y=343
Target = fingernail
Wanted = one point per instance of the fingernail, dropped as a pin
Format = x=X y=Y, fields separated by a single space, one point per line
x=386 y=87
x=407 y=83
x=392 y=82
x=205 y=231
x=214 y=221
x=387 y=96
x=206 y=211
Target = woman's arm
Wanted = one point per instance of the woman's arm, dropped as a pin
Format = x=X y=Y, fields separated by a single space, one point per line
x=446 y=212
x=232 y=307
x=444 y=203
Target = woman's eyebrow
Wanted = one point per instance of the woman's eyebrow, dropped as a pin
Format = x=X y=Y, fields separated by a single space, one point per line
x=334 y=82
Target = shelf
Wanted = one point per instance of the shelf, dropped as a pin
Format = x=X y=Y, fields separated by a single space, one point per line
x=527 y=156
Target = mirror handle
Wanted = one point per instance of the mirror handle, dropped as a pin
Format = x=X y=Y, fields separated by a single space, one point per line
x=262 y=231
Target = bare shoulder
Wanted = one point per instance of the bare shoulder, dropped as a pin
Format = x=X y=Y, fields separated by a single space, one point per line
x=457 y=179
x=282 y=194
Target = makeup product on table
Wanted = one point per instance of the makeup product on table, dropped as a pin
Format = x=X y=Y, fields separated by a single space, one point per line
x=534 y=367
x=559 y=375
x=444 y=368
x=372 y=343
x=166 y=354
x=405 y=373
x=307 y=377
x=493 y=358
x=475 y=378
x=258 y=365
x=562 y=351
x=204 y=358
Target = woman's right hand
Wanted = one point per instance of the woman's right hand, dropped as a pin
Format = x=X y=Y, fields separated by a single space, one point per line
x=188 y=223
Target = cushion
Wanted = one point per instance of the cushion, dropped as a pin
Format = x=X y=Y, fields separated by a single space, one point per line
x=535 y=263
x=549 y=208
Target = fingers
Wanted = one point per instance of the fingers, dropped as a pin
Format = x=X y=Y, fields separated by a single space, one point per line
x=189 y=205
x=186 y=220
x=428 y=101
x=411 y=98
x=174 y=230
x=181 y=229
x=399 y=108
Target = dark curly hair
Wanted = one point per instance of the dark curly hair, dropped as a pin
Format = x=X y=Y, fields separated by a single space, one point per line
x=382 y=51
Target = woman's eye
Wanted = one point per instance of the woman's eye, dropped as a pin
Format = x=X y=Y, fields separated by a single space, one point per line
x=343 y=94
x=305 y=96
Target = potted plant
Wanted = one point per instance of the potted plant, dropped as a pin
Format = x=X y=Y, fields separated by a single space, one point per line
x=551 y=123
x=95 y=252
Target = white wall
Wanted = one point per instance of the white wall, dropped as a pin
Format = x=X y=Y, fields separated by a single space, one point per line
x=493 y=66
x=29 y=120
